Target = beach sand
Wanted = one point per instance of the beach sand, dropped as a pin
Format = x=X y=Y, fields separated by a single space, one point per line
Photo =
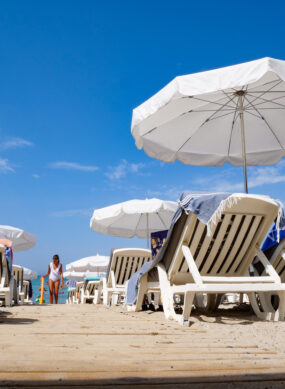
x=97 y=346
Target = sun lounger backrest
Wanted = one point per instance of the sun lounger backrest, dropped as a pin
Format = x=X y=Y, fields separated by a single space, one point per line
x=5 y=273
x=124 y=263
x=231 y=248
x=18 y=273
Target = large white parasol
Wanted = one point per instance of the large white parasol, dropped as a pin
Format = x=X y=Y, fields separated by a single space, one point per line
x=234 y=114
x=80 y=276
x=96 y=263
x=134 y=218
x=20 y=239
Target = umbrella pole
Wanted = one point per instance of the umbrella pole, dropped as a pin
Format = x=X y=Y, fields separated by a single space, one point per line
x=147 y=230
x=241 y=110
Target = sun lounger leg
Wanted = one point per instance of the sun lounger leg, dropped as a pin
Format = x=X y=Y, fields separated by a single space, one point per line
x=9 y=299
x=258 y=307
x=106 y=293
x=108 y=298
x=141 y=293
x=104 y=297
x=156 y=299
x=98 y=294
x=282 y=305
x=188 y=302
x=280 y=312
x=167 y=295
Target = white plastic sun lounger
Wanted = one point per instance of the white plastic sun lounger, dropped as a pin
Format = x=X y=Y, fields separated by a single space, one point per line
x=6 y=280
x=73 y=296
x=123 y=264
x=91 y=290
x=18 y=289
x=26 y=286
x=197 y=263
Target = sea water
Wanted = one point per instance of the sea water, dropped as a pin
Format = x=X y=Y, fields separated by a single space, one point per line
x=36 y=284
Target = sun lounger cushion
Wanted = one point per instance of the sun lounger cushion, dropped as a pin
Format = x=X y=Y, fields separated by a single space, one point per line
x=92 y=279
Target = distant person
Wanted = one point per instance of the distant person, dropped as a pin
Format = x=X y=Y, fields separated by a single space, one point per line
x=55 y=275
x=30 y=290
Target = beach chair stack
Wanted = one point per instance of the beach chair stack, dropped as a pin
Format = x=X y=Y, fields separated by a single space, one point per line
x=196 y=262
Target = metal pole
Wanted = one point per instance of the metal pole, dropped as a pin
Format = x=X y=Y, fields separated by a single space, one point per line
x=241 y=110
x=147 y=230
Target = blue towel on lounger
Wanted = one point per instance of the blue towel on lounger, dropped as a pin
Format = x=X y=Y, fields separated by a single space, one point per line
x=272 y=238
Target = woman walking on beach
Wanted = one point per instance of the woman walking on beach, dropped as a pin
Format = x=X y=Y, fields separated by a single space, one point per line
x=55 y=275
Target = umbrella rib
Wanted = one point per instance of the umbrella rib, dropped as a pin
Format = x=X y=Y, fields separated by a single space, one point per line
x=228 y=95
x=187 y=112
x=207 y=120
x=267 y=83
x=138 y=221
x=233 y=123
x=253 y=114
x=262 y=108
x=266 y=122
x=161 y=220
x=218 y=110
x=221 y=116
x=263 y=93
x=211 y=110
x=267 y=101
x=212 y=102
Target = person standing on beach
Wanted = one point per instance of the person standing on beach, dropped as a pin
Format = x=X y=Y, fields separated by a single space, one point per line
x=55 y=275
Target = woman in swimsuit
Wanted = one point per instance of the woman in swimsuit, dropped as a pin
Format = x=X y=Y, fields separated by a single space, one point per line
x=55 y=275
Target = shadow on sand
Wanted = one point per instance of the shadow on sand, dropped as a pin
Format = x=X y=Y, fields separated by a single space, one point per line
x=259 y=381
x=5 y=318
x=16 y=320
x=240 y=314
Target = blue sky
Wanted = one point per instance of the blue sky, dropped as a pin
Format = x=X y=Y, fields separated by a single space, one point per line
x=71 y=73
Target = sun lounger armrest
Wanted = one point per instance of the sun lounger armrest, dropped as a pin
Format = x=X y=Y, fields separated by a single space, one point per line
x=113 y=279
x=192 y=265
x=269 y=269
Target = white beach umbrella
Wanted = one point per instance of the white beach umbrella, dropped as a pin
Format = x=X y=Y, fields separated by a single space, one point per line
x=96 y=263
x=134 y=218
x=80 y=276
x=72 y=275
x=234 y=114
x=29 y=274
x=20 y=239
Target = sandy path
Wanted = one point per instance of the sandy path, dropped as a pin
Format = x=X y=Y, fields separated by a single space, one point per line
x=65 y=344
